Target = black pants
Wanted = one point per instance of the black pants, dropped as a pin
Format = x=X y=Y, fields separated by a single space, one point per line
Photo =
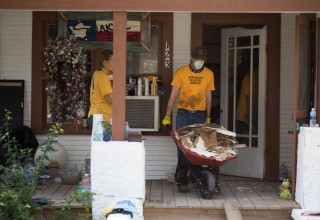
x=184 y=118
x=182 y=170
x=181 y=175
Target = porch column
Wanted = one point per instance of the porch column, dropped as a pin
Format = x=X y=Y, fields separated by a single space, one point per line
x=119 y=80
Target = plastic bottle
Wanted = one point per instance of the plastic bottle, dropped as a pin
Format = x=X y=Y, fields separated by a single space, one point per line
x=127 y=130
x=79 y=188
x=146 y=86
x=97 y=132
x=313 y=118
x=86 y=183
x=139 y=87
x=154 y=86
x=84 y=122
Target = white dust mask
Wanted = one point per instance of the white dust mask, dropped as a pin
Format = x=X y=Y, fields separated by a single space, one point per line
x=198 y=64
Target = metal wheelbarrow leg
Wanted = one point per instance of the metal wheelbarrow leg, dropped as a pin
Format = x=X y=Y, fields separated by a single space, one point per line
x=206 y=179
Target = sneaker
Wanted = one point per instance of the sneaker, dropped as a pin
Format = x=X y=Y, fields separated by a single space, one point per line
x=183 y=188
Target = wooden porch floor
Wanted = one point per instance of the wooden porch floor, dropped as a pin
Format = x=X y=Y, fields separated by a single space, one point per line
x=256 y=199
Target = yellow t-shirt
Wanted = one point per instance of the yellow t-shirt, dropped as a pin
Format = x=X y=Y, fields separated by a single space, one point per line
x=193 y=87
x=100 y=86
x=242 y=108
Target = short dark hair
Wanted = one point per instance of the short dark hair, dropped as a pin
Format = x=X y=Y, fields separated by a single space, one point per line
x=105 y=56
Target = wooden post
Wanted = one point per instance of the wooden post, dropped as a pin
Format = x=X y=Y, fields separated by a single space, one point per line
x=119 y=80
x=232 y=211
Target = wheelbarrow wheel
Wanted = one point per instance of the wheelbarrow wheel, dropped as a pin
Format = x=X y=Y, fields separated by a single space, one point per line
x=209 y=184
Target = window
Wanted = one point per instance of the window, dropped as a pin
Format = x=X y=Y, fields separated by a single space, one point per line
x=145 y=62
x=141 y=63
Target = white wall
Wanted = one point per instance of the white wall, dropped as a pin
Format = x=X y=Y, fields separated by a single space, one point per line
x=181 y=45
x=287 y=88
x=15 y=52
x=181 y=39
x=15 y=63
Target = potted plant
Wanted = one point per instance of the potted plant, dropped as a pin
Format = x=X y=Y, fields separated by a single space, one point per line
x=64 y=71
x=107 y=131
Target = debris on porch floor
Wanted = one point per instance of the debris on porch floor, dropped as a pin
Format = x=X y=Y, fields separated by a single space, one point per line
x=255 y=199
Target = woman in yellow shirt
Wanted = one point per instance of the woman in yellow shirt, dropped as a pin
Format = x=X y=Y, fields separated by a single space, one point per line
x=101 y=88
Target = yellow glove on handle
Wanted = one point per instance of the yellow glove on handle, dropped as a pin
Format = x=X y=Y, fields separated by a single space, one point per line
x=208 y=120
x=166 y=121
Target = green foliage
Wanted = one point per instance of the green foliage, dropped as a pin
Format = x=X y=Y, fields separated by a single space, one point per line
x=14 y=155
x=13 y=205
x=85 y=198
x=107 y=128
x=16 y=201
x=54 y=132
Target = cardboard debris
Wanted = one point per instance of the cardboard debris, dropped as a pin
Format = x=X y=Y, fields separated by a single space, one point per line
x=210 y=141
x=209 y=137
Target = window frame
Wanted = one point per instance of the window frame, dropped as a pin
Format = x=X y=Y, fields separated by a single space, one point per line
x=39 y=100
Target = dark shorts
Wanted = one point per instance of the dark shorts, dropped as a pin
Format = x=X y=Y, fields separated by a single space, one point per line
x=90 y=122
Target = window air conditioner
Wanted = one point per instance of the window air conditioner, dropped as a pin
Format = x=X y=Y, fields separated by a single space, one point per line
x=142 y=113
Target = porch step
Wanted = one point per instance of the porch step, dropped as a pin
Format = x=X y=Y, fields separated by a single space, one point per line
x=232 y=211
x=216 y=214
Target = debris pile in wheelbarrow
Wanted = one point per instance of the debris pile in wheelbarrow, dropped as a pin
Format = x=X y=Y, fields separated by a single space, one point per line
x=205 y=148
x=210 y=141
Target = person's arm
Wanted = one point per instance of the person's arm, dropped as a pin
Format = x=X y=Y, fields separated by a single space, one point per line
x=172 y=99
x=108 y=98
x=208 y=103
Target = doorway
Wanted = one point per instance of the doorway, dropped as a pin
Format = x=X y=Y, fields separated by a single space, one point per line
x=13 y=102
x=243 y=83
x=208 y=26
x=239 y=98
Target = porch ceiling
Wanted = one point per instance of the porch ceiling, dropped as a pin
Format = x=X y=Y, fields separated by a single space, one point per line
x=167 y=5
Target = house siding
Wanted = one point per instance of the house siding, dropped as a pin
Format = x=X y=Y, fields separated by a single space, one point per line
x=161 y=153
x=181 y=45
x=15 y=52
x=287 y=88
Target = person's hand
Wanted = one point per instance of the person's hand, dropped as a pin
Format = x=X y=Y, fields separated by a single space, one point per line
x=208 y=120
x=166 y=121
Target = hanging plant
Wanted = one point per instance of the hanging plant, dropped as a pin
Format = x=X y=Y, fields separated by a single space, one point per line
x=64 y=71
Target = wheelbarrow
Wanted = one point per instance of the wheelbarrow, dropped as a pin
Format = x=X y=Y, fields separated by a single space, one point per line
x=207 y=180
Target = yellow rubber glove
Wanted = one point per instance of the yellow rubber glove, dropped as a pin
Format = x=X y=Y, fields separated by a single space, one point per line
x=166 y=121
x=208 y=120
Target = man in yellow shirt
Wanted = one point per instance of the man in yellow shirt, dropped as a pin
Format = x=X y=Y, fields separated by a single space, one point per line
x=101 y=89
x=193 y=84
